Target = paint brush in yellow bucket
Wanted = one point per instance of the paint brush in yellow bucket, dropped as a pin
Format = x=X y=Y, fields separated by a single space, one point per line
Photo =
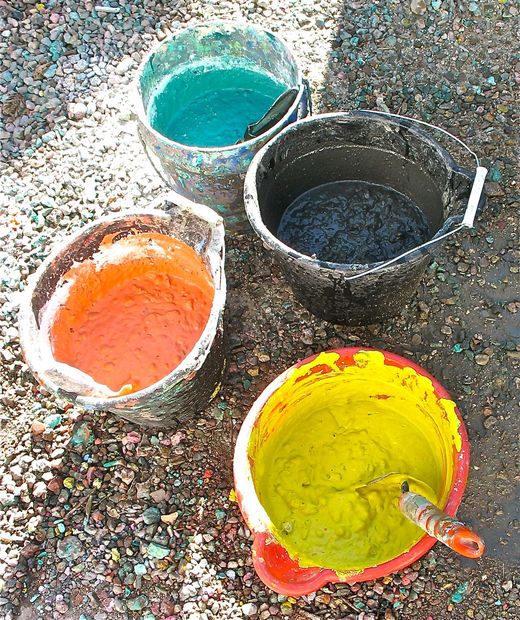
x=450 y=531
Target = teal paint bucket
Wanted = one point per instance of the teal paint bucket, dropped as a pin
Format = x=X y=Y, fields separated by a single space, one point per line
x=195 y=95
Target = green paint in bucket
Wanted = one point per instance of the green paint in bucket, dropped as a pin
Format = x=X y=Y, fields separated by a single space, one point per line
x=191 y=62
x=211 y=106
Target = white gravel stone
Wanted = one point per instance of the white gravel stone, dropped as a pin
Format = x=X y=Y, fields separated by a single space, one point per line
x=77 y=111
x=249 y=609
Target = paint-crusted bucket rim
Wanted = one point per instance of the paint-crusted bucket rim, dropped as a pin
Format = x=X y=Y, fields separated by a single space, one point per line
x=138 y=106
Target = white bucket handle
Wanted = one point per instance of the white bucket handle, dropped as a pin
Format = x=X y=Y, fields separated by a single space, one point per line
x=473 y=200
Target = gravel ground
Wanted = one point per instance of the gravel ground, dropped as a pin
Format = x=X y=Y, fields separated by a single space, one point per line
x=99 y=518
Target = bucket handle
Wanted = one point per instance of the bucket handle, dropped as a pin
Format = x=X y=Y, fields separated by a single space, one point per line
x=473 y=200
x=308 y=94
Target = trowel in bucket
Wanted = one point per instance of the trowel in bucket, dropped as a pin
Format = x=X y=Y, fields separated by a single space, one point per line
x=447 y=530
x=274 y=115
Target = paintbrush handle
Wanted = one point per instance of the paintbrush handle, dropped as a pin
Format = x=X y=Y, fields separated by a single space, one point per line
x=447 y=530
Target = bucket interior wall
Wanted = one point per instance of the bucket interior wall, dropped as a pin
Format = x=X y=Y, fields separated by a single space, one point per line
x=214 y=46
x=324 y=151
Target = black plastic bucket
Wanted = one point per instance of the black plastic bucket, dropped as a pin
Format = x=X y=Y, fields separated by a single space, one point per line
x=360 y=146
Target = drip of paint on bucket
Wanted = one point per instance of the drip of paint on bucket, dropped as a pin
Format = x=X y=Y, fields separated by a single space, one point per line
x=130 y=314
x=211 y=106
x=327 y=433
x=353 y=222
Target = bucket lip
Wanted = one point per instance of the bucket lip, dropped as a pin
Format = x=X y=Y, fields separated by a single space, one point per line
x=259 y=522
x=30 y=332
x=252 y=206
x=140 y=111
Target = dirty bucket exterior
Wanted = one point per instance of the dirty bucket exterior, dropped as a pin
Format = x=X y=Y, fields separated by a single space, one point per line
x=363 y=147
x=214 y=176
x=196 y=380
x=271 y=560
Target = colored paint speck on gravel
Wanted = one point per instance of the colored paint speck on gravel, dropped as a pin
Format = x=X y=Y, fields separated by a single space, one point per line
x=129 y=315
x=211 y=107
x=353 y=222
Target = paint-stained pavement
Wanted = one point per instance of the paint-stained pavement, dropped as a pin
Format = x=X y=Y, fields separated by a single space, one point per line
x=127 y=495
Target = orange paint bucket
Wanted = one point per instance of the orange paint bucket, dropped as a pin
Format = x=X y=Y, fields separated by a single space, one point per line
x=129 y=315
x=292 y=491
x=126 y=316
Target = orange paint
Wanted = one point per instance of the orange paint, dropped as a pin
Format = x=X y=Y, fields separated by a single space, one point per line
x=129 y=315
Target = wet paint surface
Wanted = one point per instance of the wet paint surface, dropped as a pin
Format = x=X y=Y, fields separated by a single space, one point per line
x=353 y=222
x=128 y=316
x=323 y=436
x=211 y=107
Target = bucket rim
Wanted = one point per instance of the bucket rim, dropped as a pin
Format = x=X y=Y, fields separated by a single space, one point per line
x=30 y=331
x=252 y=205
x=140 y=111
x=255 y=515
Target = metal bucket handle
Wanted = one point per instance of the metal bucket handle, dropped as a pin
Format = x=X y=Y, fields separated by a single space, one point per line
x=471 y=207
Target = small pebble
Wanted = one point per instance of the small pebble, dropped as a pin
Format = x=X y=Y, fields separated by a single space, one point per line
x=249 y=609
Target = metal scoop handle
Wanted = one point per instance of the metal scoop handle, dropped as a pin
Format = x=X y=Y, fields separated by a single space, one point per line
x=447 y=530
x=473 y=201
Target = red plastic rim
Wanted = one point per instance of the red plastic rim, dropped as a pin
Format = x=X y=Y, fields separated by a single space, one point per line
x=271 y=561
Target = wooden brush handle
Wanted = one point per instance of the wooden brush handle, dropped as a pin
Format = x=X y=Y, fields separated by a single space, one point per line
x=447 y=530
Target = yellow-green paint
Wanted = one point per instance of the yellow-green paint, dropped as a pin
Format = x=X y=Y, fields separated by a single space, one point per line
x=322 y=436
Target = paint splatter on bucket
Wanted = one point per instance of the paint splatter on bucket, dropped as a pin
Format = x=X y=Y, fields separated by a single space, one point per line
x=304 y=493
x=195 y=96
x=126 y=315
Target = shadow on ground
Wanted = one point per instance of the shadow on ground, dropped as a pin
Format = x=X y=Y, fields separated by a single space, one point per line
x=430 y=65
